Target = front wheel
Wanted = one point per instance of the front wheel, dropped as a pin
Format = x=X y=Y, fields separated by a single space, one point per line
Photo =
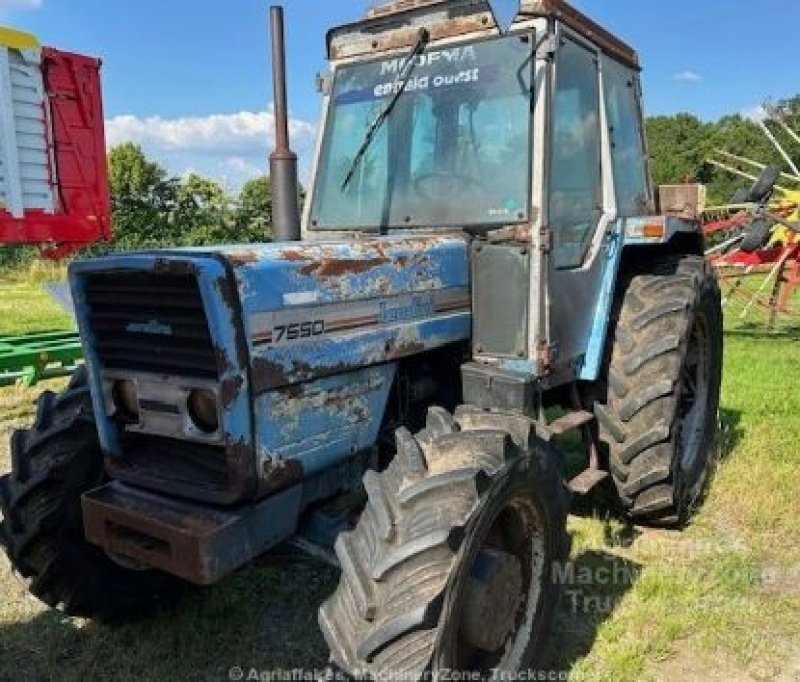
x=453 y=564
x=663 y=375
x=53 y=464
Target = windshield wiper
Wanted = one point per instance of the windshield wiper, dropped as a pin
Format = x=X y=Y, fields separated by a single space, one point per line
x=403 y=79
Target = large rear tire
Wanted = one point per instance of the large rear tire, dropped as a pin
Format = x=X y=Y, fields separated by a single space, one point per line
x=659 y=417
x=452 y=566
x=53 y=464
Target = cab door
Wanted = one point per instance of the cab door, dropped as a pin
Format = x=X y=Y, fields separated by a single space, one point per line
x=580 y=202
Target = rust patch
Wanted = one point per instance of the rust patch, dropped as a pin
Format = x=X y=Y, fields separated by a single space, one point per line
x=347 y=404
x=276 y=475
x=174 y=267
x=397 y=7
x=344 y=45
x=241 y=258
x=333 y=267
x=581 y=23
x=302 y=370
x=292 y=255
x=223 y=363
x=401 y=350
x=292 y=391
x=230 y=297
x=229 y=390
x=241 y=459
x=268 y=375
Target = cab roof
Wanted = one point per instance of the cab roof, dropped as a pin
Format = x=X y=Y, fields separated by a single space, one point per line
x=395 y=25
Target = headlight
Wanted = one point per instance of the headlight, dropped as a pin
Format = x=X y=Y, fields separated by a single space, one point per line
x=204 y=410
x=126 y=399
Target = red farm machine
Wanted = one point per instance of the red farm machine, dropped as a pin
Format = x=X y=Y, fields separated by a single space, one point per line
x=53 y=177
x=754 y=242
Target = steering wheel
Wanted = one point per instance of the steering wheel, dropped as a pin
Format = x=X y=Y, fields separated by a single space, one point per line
x=456 y=181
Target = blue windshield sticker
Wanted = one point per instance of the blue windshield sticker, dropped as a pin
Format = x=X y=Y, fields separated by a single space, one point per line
x=380 y=87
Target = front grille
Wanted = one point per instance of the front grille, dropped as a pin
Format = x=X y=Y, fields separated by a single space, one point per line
x=150 y=322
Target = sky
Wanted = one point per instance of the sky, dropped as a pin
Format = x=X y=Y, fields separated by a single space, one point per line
x=189 y=80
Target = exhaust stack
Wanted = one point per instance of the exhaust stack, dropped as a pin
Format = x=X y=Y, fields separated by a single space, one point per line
x=282 y=161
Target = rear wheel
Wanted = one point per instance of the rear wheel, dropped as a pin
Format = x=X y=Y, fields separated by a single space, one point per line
x=663 y=376
x=53 y=464
x=452 y=564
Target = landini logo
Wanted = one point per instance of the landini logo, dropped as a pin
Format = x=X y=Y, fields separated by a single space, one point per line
x=153 y=327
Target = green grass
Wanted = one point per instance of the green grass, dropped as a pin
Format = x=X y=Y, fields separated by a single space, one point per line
x=24 y=305
x=720 y=600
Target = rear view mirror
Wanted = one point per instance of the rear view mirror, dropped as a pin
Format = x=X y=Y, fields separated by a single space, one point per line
x=505 y=11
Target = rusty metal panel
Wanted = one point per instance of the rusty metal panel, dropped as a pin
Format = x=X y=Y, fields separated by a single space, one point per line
x=398 y=6
x=325 y=324
x=683 y=201
x=579 y=22
x=320 y=309
x=379 y=35
x=199 y=544
x=447 y=19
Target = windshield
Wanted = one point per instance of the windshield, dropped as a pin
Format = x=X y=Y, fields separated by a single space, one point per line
x=454 y=150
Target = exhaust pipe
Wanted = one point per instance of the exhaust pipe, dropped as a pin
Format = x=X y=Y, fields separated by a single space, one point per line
x=282 y=161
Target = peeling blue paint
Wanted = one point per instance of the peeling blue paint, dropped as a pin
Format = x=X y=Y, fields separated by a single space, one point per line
x=315 y=401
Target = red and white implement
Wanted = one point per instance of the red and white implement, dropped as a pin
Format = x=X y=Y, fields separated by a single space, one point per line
x=53 y=174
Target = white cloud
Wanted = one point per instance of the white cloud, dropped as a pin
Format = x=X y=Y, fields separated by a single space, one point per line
x=11 y=5
x=229 y=147
x=687 y=77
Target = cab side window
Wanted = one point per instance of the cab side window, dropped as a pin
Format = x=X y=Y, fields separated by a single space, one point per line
x=621 y=87
x=575 y=167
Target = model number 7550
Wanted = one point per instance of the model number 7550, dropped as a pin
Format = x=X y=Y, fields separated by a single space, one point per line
x=299 y=330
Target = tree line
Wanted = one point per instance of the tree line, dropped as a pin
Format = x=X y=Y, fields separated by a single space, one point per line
x=681 y=145
x=153 y=209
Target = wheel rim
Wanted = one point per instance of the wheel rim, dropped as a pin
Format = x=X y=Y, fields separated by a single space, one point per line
x=694 y=394
x=497 y=594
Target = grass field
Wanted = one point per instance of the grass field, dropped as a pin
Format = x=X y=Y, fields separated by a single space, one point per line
x=719 y=601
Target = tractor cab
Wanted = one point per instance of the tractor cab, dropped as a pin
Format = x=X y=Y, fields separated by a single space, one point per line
x=525 y=134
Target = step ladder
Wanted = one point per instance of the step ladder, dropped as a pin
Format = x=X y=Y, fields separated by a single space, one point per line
x=584 y=422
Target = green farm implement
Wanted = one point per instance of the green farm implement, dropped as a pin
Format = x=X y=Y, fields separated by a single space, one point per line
x=31 y=358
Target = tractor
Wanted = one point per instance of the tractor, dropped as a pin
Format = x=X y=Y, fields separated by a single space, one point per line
x=479 y=269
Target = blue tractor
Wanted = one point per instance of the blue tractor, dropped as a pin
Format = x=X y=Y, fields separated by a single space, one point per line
x=482 y=270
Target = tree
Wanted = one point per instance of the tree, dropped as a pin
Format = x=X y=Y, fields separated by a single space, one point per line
x=143 y=198
x=254 y=211
x=203 y=215
x=678 y=147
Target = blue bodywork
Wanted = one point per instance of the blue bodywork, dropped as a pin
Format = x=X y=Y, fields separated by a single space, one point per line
x=307 y=339
x=299 y=398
